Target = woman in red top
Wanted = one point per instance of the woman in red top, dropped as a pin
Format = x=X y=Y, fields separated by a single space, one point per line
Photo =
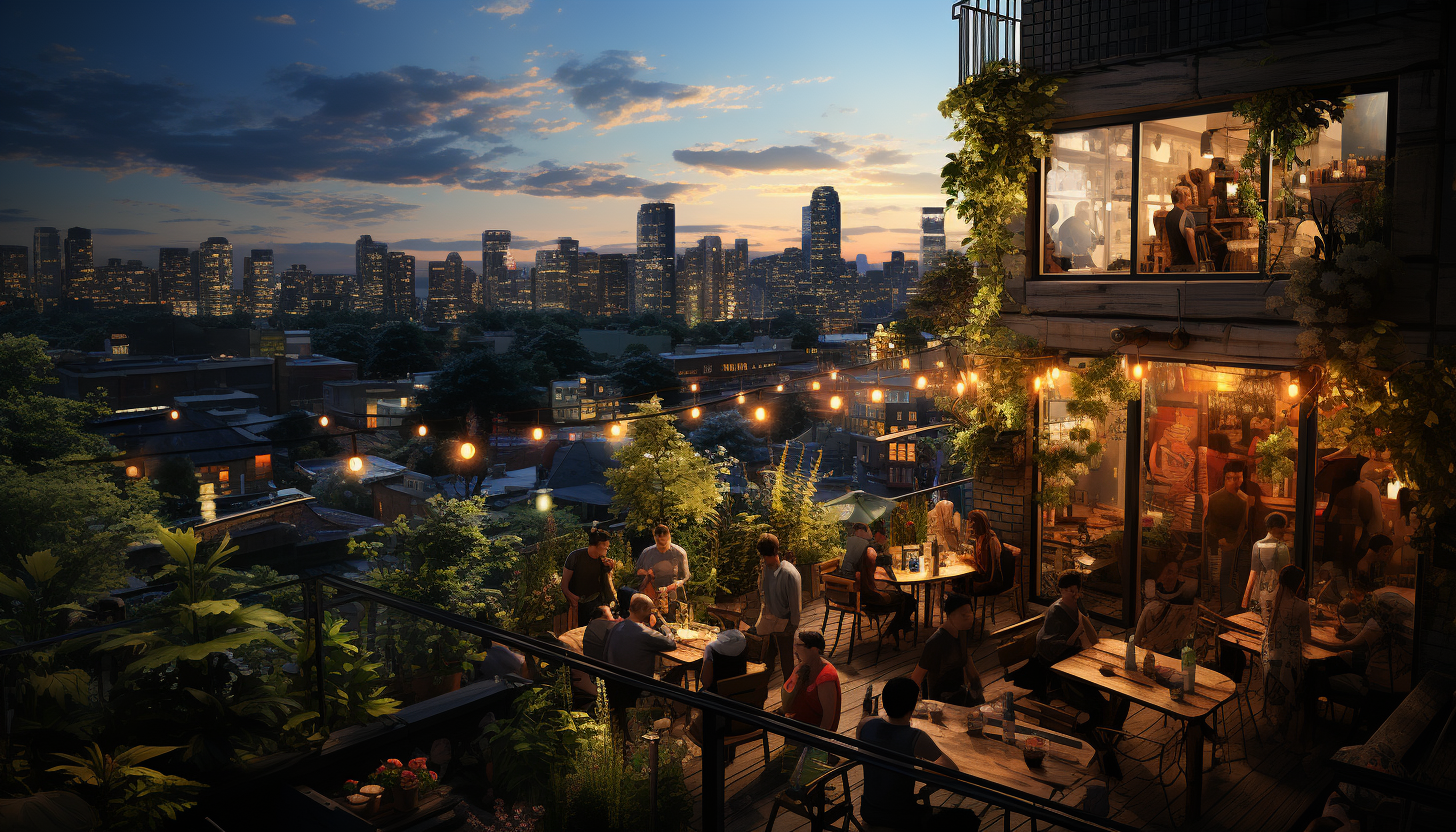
x=811 y=693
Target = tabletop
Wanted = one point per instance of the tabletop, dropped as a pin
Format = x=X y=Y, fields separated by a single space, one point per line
x=1211 y=688
x=1254 y=643
x=689 y=649
x=954 y=569
x=1067 y=762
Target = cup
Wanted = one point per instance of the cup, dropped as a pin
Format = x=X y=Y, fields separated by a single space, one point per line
x=975 y=722
x=1034 y=751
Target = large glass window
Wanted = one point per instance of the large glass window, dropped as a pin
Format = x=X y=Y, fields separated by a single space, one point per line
x=1198 y=155
x=1087 y=213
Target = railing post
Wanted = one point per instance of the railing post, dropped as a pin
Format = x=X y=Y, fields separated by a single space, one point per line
x=313 y=599
x=713 y=771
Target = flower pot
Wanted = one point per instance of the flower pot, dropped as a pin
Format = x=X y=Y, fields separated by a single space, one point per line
x=375 y=794
x=406 y=800
x=434 y=684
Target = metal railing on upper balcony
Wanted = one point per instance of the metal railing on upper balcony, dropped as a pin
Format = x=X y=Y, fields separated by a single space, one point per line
x=990 y=31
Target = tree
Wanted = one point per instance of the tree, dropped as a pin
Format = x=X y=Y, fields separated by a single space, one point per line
x=803 y=330
x=560 y=347
x=478 y=383
x=337 y=489
x=946 y=293
x=176 y=482
x=641 y=374
x=661 y=478
x=730 y=431
x=398 y=349
x=906 y=335
x=791 y=417
x=346 y=342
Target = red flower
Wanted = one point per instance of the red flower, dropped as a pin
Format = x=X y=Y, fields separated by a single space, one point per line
x=379 y=770
x=418 y=764
x=393 y=763
x=351 y=786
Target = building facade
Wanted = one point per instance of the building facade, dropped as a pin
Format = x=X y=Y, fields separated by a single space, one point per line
x=932 y=244
x=260 y=283
x=213 y=262
x=498 y=290
x=555 y=275
x=826 y=267
x=80 y=264
x=15 y=272
x=370 y=274
x=47 y=272
x=399 y=294
x=656 y=286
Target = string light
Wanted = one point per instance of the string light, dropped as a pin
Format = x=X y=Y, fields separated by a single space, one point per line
x=920 y=383
x=1055 y=373
x=742 y=398
x=467 y=450
x=1137 y=371
x=133 y=471
x=538 y=434
x=695 y=413
x=617 y=429
x=356 y=464
x=760 y=414
x=960 y=388
x=876 y=395
x=940 y=365
x=834 y=402
x=1293 y=389
x=422 y=431
x=833 y=375
x=975 y=379
x=323 y=421
x=693 y=387
x=814 y=386
x=175 y=415
x=779 y=389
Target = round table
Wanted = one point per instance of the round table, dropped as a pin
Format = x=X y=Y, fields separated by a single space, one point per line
x=954 y=569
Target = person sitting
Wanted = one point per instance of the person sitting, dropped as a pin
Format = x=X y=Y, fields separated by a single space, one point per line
x=946 y=668
x=1380 y=669
x=943 y=528
x=1077 y=236
x=495 y=660
x=889 y=595
x=888 y=799
x=634 y=645
x=859 y=557
x=724 y=657
x=1168 y=611
x=583 y=686
x=1331 y=588
x=995 y=564
x=1370 y=569
x=811 y=693
x=878 y=538
x=1064 y=632
x=594 y=640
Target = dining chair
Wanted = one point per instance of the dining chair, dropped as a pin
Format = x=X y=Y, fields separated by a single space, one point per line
x=842 y=596
x=815 y=803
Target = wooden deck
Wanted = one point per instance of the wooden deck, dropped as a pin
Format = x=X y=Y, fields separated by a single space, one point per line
x=1257 y=786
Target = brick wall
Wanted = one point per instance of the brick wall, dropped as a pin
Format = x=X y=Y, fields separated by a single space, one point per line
x=1003 y=490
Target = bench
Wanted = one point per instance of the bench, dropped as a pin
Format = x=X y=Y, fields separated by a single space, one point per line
x=1409 y=755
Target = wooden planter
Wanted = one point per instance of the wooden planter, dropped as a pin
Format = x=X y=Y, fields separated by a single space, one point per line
x=433 y=684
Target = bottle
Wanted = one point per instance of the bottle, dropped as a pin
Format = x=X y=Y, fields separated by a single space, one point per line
x=1150 y=665
x=869 y=700
x=1189 y=668
x=1130 y=662
x=1008 y=719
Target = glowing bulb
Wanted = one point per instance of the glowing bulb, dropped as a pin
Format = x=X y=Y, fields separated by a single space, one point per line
x=616 y=430
x=1036 y=383
x=940 y=365
x=693 y=387
x=1137 y=371
x=543 y=499
x=582 y=379
x=876 y=395
x=422 y=431
x=695 y=413
x=1055 y=373
x=323 y=421
x=920 y=383
x=975 y=378
x=779 y=389
x=814 y=386
x=1294 y=390
x=960 y=388
x=834 y=402
x=834 y=375
x=760 y=414
x=904 y=363
x=467 y=450
x=538 y=434
x=356 y=464
x=133 y=472
x=742 y=398
x=175 y=415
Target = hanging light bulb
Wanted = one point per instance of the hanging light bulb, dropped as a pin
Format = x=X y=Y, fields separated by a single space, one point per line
x=1055 y=373
x=960 y=388
x=175 y=415
x=467 y=450
x=814 y=386
x=876 y=395
x=1293 y=390
x=422 y=431
x=779 y=389
x=1036 y=383
x=760 y=414
x=834 y=402
x=1137 y=371
x=904 y=363
x=695 y=413
x=940 y=365
x=538 y=434
x=834 y=375
x=693 y=387
x=356 y=464
x=920 y=383
x=742 y=398
x=975 y=379
x=133 y=471
x=323 y=421
x=617 y=429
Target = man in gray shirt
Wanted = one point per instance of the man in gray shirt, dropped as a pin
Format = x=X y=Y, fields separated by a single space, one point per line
x=634 y=645
x=780 y=590
x=667 y=564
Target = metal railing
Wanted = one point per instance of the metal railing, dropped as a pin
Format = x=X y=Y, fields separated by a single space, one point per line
x=718 y=711
x=990 y=31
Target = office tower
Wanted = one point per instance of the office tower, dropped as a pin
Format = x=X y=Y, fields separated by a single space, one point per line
x=399 y=285
x=709 y=256
x=894 y=269
x=555 y=272
x=875 y=294
x=176 y=281
x=498 y=290
x=861 y=264
x=656 y=288
x=260 y=284
x=444 y=280
x=80 y=265
x=735 y=280
x=614 y=280
x=473 y=288
x=523 y=285
x=761 y=284
x=370 y=274
x=825 y=268
x=15 y=271
x=631 y=307
x=294 y=289
x=331 y=292
x=123 y=284
x=688 y=301
x=932 y=239
x=911 y=275
x=46 y=273
x=790 y=280
x=214 y=260
x=806 y=222
x=586 y=290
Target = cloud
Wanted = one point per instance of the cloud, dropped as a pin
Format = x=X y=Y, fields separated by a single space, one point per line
x=259 y=230
x=885 y=156
x=607 y=89
x=769 y=159
x=376 y=4
x=733 y=229
x=58 y=54
x=16 y=215
x=197 y=219
x=586 y=180
x=506 y=8
x=281 y=19
x=822 y=79
x=560 y=125
x=339 y=209
x=832 y=111
x=891 y=183
x=876 y=209
x=427 y=244
x=116 y=232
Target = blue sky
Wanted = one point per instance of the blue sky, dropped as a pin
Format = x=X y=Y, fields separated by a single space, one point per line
x=298 y=126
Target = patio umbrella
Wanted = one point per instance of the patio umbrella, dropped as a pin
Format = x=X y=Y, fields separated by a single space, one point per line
x=860 y=507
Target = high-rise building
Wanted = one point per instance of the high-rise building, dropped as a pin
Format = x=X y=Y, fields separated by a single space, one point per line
x=15 y=271
x=687 y=301
x=370 y=274
x=293 y=293
x=80 y=263
x=806 y=222
x=555 y=273
x=214 y=260
x=615 y=274
x=399 y=285
x=473 y=290
x=123 y=284
x=260 y=284
x=586 y=290
x=47 y=272
x=631 y=260
x=498 y=288
x=789 y=287
x=656 y=288
x=445 y=280
x=932 y=240
x=710 y=280
x=825 y=268
x=875 y=294
x=176 y=281
x=735 y=280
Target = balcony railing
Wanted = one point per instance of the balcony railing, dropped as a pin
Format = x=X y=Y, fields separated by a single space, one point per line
x=990 y=31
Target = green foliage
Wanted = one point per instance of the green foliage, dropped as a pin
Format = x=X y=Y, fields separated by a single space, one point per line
x=351 y=676
x=996 y=403
x=1275 y=464
x=175 y=480
x=908 y=522
x=1280 y=122
x=803 y=330
x=535 y=748
x=37 y=603
x=661 y=478
x=722 y=554
x=126 y=794
x=790 y=417
x=786 y=505
x=1099 y=393
x=477 y=384
x=905 y=333
x=641 y=374
x=400 y=348
x=726 y=429
x=535 y=592
x=342 y=490
x=344 y=341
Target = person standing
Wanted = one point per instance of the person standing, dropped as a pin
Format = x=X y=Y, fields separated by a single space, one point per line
x=946 y=668
x=888 y=799
x=1224 y=526
x=1270 y=556
x=780 y=592
x=667 y=565
x=1282 y=651
x=586 y=576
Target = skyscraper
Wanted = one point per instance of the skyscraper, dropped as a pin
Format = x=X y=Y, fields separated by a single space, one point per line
x=498 y=289
x=656 y=288
x=296 y=285
x=586 y=290
x=215 y=277
x=445 y=280
x=80 y=264
x=370 y=274
x=555 y=274
x=710 y=287
x=932 y=239
x=615 y=291
x=123 y=284
x=735 y=280
x=399 y=285
x=46 y=271
x=825 y=266
x=260 y=284
x=15 y=271
x=806 y=222
x=176 y=281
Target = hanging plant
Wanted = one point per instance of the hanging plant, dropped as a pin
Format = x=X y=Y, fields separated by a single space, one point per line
x=1275 y=466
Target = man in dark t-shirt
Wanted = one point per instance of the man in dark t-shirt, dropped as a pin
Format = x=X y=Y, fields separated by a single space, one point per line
x=1179 y=225
x=888 y=798
x=945 y=667
x=586 y=576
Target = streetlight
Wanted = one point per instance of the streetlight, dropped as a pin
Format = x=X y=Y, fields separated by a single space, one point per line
x=467 y=450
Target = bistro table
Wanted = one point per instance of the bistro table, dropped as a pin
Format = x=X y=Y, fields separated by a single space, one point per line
x=954 y=569
x=1211 y=689
x=1251 y=638
x=688 y=652
x=988 y=757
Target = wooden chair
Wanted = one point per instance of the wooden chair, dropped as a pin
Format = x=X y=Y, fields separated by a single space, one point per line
x=842 y=595
x=751 y=689
x=1015 y=591
x=814 y=803
x=730 y=613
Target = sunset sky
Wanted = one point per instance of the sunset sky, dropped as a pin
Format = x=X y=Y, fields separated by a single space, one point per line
x=298 y=126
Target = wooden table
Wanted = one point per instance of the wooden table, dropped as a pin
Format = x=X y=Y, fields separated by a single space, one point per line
x=1211 y=690
x=988 y=757
x=689 y=651
x=1251 y=638
x=914 y=580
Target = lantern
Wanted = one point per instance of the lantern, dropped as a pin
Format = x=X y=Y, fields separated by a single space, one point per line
x=356 y=464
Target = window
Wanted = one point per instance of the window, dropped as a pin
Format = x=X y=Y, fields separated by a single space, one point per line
x=911 y=416
x=1087 y=212
x=902 y=452
x=1201 y=154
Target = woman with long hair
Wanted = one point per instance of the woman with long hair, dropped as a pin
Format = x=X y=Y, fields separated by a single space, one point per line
x=995 y=564
x=1282 y=651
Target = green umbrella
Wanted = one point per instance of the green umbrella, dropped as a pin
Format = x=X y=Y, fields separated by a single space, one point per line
x=860 y=507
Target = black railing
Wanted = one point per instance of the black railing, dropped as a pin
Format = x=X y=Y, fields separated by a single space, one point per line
x=717 y=711
x=990 y=31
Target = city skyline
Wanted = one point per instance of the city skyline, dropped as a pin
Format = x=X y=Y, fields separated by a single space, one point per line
x=530 y=120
